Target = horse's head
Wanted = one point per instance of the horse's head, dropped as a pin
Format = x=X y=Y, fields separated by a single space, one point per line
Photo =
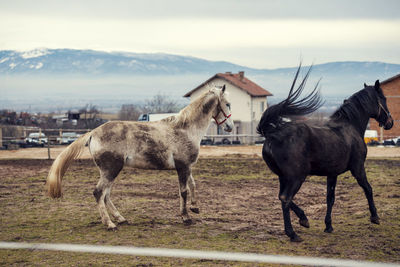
x=382 y=114
x=222 y=113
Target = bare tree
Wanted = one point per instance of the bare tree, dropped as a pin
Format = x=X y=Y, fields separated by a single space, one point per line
x=161 y=104
x=129 y=112
x=90 y=113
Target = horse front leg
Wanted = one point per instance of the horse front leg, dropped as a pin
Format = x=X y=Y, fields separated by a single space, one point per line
x=330 y=200
x=359 y=174
x=184 y=172
x=192 y=191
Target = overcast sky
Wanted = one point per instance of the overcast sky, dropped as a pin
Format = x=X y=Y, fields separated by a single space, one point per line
x=259 y=33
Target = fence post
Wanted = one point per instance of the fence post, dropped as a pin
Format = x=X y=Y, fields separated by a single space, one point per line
x=40 y=135
x=48 y=148
x=60 y=136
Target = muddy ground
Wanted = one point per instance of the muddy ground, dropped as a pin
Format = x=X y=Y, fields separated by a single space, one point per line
x=239 y=212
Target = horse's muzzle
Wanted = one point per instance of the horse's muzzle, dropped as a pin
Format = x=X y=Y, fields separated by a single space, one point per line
x=388 y=124
x=228 y=128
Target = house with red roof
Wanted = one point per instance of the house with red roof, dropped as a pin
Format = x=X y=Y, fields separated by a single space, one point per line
x=248 y=102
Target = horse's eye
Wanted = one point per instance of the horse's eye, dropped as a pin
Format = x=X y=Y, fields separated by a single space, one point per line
x=228 y=105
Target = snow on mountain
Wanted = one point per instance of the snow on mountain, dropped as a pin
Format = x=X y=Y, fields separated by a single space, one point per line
x=35 y=53
x=67 y=61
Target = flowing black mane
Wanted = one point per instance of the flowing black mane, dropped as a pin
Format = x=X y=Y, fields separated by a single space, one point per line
x=357 y=108
x=357 y=105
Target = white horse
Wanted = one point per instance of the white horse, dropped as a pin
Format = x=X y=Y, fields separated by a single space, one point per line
x=172 y=143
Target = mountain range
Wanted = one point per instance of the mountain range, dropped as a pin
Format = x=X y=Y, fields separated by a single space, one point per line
x=89 y=62
x=59 y=79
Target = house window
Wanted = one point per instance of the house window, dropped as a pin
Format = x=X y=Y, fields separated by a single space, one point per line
x=262 y=106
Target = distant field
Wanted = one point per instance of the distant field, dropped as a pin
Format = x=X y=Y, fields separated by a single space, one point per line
x=109 y=116
x=240 y=212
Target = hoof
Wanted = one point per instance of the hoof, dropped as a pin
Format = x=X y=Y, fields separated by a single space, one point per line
x=187 y=222
x=328 y=229
x=304 y=223
x=195 y=210
x=114 y=229
x=295 y=238
x=375 y=220
x=123 y=222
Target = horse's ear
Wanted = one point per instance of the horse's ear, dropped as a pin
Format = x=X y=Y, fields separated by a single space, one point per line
x=223 y=89
x=377 y=85
x=211 y=87
x=365 y=85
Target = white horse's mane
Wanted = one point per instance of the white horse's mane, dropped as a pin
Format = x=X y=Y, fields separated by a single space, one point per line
x=189 y=114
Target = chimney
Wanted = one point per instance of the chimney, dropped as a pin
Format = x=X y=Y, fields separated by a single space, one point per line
x=241 y=75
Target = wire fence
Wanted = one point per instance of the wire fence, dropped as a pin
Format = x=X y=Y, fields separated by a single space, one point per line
x=194 y=254
x=52 y=137
x=32 y=136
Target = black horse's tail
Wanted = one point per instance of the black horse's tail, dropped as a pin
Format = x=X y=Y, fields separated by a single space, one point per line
x=272 y=118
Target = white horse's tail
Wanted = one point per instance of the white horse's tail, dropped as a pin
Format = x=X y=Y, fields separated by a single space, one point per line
x=61 y=164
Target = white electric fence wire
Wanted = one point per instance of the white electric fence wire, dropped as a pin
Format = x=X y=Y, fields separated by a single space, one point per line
x=193 y=254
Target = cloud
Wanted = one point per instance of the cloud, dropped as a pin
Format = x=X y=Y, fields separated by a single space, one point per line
x=255 y=9
x=238 y=31
x=158 y=34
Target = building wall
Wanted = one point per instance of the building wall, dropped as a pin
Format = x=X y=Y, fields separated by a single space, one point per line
x=259 y=106
x=392 y=93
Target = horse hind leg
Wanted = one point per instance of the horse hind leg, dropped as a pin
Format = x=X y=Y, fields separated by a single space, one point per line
x=114 y=212
x=109 y=164
x=288 y=188
x=100 y=194
x=303 y=220
x=192 y=191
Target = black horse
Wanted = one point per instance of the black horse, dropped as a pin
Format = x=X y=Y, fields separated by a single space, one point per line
x=294 y=148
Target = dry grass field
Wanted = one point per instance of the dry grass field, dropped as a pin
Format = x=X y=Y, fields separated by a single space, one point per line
x=239 y=212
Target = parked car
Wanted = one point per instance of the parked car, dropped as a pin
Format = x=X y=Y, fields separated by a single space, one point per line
x=373 y=143
x=371 y=137
x=155 y=116
x=392 y=142
x=67 y=138
x=206 y=142
x=35 y=140
x=226 y=141
x=389 y=143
